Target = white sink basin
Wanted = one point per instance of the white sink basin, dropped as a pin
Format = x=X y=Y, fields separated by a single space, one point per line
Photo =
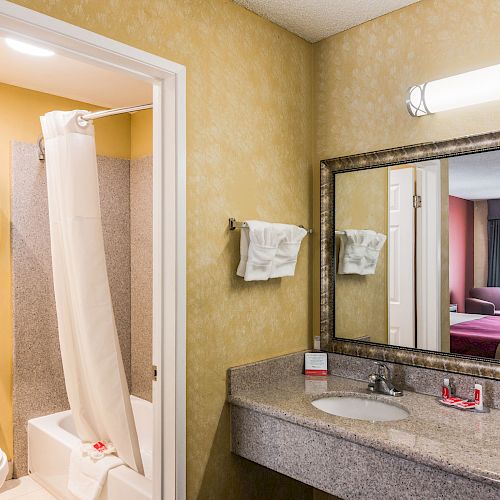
x=360 y=408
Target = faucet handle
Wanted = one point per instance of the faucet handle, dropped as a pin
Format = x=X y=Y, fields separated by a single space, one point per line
x=372 y=380
x=382 y=370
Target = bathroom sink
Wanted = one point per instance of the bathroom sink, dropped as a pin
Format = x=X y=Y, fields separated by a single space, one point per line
x=360 y=408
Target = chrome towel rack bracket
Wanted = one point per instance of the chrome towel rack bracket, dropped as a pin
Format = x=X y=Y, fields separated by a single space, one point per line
x=234 y=224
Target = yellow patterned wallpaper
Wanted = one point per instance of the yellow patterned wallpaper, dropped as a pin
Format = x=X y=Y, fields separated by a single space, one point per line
x=249 y=122
x=252 y=90
x=361 y=77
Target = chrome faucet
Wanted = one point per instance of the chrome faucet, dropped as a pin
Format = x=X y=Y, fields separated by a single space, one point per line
x=380 y=382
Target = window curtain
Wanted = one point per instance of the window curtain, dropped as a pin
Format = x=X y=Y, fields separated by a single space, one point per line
x=93 y=366
x=494 y=243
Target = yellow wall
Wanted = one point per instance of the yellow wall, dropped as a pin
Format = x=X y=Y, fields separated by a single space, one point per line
x=141 y=140
x=249 y=122
x=20 y=112
x=361 y=77
x=361 y=302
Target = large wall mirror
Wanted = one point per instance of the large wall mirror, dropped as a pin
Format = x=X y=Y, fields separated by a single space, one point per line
x=410 y=251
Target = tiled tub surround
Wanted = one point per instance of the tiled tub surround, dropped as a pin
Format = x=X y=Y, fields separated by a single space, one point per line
x=141 y=272
x=39 y=387
x=436 y=453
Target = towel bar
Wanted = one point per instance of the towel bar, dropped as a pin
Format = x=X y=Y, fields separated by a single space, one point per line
x=234 y=224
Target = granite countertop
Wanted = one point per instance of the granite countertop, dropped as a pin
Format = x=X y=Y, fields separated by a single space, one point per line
x=463 y=443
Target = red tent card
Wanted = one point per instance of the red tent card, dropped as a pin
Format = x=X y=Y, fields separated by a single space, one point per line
x=316 y=363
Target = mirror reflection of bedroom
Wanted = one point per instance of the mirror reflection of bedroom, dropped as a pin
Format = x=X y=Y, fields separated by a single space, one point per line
x=474 y=243
x=436 y=285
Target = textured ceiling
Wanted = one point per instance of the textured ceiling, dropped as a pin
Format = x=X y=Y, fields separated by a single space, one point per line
x=314 y=20
x=66 y=77
x=475 y=177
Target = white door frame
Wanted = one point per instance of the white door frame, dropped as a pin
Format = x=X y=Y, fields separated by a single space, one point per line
x=169 y=219
x=401 y=253
x=428 y=255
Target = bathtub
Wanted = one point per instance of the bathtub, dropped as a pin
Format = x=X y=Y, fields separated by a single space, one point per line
x=51 y=439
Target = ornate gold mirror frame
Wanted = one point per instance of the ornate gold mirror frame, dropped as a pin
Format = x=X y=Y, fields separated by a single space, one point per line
x=387 y=157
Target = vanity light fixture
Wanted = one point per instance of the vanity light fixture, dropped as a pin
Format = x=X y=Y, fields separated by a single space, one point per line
x=27 y=48
x=466 y=89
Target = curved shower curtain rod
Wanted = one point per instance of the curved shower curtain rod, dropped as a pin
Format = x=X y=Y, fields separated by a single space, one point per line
x=117 y=111
x=94 y=116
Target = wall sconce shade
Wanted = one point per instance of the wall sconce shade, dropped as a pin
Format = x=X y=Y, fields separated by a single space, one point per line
x=467 y=89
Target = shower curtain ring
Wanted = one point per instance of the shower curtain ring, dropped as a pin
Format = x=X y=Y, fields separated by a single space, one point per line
x=83 y=123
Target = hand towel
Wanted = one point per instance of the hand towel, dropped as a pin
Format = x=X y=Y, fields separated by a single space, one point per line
x=87 y=476
x=263 y=240
x=285 y=260
x=359 y=251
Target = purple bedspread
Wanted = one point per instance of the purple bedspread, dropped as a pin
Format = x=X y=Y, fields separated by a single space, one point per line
x=478 y=337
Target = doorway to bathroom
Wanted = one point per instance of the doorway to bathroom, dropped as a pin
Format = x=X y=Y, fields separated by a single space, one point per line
x=143 y=216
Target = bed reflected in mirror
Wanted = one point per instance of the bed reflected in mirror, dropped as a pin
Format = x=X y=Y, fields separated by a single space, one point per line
x=474 y=243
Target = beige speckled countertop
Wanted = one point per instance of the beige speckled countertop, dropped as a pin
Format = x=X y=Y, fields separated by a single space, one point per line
x=463 y=443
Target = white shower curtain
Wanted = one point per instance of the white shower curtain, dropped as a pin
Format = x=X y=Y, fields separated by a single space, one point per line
x=93 y=366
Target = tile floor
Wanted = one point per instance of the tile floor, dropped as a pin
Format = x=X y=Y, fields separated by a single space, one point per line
x=24 y=488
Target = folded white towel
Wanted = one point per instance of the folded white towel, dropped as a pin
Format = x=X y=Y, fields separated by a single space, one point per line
x=372 y=252
x=87 y=476
x=285 y=259
x=359 y=251
x=256 y=261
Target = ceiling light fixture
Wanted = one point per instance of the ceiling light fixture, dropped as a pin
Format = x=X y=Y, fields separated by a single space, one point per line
x=27 y=48
x=467 y=89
